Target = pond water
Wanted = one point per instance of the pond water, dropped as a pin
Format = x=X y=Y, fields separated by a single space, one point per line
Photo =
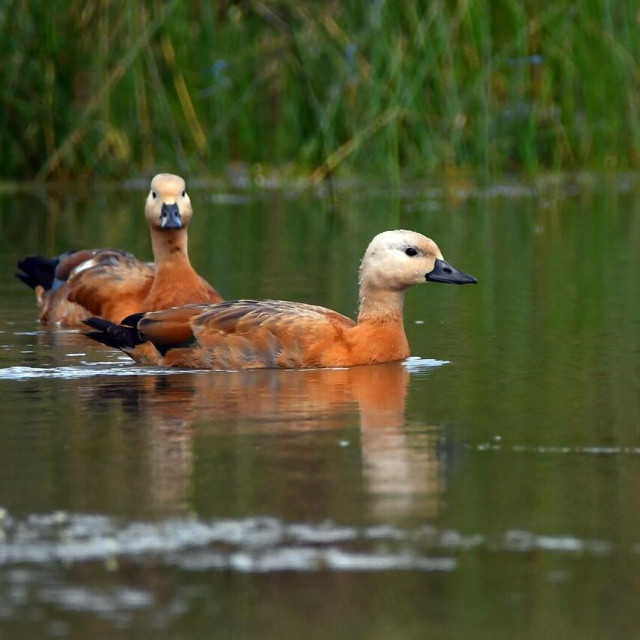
x=485 y=488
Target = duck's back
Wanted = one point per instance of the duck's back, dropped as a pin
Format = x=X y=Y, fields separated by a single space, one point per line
x=245 y=334
x=112 y=287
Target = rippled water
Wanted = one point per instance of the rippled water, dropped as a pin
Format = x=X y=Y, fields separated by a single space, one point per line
x=484 y=488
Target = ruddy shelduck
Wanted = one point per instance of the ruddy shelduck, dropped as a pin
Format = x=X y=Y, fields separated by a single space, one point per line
x=250 y=334
x=113 y=284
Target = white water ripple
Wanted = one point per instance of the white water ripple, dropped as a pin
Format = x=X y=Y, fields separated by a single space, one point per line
x=415 y=364
x=88 y=370
x=264 y=544
x=124 y=367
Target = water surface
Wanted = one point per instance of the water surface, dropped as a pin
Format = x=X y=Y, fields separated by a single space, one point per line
x=484 y=488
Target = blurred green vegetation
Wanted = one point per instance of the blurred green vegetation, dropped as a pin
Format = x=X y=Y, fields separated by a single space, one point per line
x=305 y=89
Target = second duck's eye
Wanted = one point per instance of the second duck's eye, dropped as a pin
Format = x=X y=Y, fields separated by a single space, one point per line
x=184 y=193
x=154 y=194
x=410 y=251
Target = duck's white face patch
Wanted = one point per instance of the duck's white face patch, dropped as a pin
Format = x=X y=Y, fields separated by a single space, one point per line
x=167 y=189
x=398 y=259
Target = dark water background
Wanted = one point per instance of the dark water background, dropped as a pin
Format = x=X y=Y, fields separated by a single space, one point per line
x=486 y=488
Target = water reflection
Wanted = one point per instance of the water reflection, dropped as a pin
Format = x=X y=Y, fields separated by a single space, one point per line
x=399 y=469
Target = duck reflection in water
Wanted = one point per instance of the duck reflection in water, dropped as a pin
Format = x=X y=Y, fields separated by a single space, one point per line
x=400 y=470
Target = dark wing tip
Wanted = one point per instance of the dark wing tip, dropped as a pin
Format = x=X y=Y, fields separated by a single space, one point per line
x=132 y=320
x=37 y=270
x=28 y=280
x=99 y=323
x=104 y=338
x=111 y=334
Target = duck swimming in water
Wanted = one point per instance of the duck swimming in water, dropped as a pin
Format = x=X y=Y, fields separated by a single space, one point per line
x=113 y=284
x=250 y=334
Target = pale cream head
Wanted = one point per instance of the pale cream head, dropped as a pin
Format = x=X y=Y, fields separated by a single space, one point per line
x=168 y=206
x=396 y=260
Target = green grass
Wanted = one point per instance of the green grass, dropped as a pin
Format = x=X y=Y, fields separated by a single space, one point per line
x=310 y=89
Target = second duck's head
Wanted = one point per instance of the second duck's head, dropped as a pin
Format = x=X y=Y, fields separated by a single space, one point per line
x=168 y=206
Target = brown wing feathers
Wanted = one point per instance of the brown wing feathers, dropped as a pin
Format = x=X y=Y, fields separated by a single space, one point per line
x=127 y=334
x=169 y=327
x=230 y=335
x=113 y=287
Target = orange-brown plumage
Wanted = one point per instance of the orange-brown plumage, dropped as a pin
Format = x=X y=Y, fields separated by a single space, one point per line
x=113 y=284
x=247 y=334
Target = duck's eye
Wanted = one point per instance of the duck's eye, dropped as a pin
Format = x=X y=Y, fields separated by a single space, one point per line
x=153 y=194
x=184 y=193
x=410 y=251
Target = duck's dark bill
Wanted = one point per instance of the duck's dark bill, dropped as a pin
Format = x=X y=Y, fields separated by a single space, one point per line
x=444 y=272
x=170 y=217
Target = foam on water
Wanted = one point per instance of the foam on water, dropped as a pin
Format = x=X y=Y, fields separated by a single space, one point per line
x=262 y=544
x=122 y=366
x=415 y=364
x=256 y=544
x=557 y=450
x=87 y=370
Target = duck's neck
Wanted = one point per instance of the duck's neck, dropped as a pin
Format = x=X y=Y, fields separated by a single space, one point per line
x=380 y=306
x=170 y=249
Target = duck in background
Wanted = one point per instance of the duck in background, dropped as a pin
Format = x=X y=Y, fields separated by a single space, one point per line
x=250 y=334
x=113 y=284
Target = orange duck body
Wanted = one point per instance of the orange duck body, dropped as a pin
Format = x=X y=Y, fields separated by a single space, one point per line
x=249 y=334
x=113 y=284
